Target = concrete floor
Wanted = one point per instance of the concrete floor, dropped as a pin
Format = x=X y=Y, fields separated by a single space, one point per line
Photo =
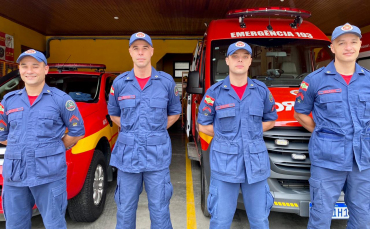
x=178 y=202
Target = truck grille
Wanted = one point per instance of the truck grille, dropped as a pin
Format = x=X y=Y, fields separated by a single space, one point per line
x=294 y=184
x=281 y=156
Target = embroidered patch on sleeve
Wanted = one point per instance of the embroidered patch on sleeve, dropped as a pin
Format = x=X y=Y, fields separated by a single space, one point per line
x=70 y=105
x=1 y=108
x=209 y=100
x=300 y=94
x=207 y=109
x=304 y=86
x=176 y=91
x=112 y=90
x=73 y=117
x=271 y=98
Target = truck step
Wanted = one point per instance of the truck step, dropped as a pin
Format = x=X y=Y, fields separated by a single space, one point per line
x=192 y=152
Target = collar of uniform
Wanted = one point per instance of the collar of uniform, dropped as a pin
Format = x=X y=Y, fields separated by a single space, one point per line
x=46 y=89
x=130 y=76
x=227 y=85
x=359 y=70
x=330 y=69
x=155 y=74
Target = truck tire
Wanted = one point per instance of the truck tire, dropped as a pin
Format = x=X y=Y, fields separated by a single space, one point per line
x=204 y=191
x=88 y=205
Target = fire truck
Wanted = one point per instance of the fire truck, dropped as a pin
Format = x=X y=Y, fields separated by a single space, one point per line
x=88 y=162
x=364 y=56
x=284 y=52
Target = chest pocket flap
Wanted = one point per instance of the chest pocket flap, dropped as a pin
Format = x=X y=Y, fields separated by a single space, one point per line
x=127 y=103
x=158 y=103
x=256 y=112
x=364 y=98
x=329 y=98
x=50 y=116
x=228 y=112
x=14 y=116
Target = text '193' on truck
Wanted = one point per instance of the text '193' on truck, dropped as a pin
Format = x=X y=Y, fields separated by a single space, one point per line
x=284 y=52
x=88 y=162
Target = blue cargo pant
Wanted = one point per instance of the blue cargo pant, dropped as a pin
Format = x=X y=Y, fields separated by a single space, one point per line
x=159 y=189
x=223 y=197
x=50 y=198
x=325 y=188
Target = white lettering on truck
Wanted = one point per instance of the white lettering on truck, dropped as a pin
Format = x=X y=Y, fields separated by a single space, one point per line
x=266 y=33
x=288 y=105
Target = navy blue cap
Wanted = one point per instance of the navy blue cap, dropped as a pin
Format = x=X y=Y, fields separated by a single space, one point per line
x=140 y=36
x=343 y=29
x=238 y=45
x=39 y=56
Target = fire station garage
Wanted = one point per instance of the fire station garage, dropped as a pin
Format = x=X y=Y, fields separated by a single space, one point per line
x=86 y=45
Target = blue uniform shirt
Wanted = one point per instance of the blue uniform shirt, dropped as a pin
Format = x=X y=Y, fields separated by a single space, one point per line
x=238 y=147
x=341 y=113
x=35 y=152
x=143 y=142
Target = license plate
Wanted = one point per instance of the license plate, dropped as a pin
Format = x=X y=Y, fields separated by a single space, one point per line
x=340 y=211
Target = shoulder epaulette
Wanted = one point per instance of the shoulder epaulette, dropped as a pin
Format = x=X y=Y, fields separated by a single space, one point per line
x=57 y=91
x=120 y=76
x=165 y=75
x=259 y=83
x=7 y=95
x=216 y=85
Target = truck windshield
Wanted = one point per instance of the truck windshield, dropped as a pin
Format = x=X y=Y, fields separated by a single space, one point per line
x=82 y=88
x=276 y=62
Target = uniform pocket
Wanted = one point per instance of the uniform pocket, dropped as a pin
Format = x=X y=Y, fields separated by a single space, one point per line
x=255 y=122
x=168 y=191
x=45 y=125
x=212 y=201
x=13 y=170
x=59 y=195
x=158 y=112
x=226 y=118
x=329 y=145
x=364 y=105
x=128 y=115
x=258 y=157
x=50 y=161
x=15 y=126
x=316 y=194
x=365 y=148
x=117 y=193
x=125 y=143
x=332 y=103
x=155 y=148
x=269 y=200
x=225 y=158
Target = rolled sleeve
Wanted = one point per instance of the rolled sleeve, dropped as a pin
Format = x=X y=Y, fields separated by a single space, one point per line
x=174 y=104
x=113 y=106
x=269 y=111
x=306 y=97
x=73 y=119
x=206 y=111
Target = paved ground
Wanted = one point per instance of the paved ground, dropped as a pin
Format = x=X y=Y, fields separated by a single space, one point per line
x=178 y=202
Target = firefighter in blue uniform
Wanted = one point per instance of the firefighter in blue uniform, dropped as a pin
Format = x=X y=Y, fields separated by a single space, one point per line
x=339 y=98
x=144 y=103
x=33 y=121
x=236 y=111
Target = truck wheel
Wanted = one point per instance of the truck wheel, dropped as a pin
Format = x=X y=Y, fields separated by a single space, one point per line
x=204 y=191
x=88 y=205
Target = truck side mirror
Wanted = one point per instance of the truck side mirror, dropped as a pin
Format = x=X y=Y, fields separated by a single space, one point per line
x=192 y=86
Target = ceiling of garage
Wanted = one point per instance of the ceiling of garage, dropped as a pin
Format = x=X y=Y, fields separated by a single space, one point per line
x=162 y=17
